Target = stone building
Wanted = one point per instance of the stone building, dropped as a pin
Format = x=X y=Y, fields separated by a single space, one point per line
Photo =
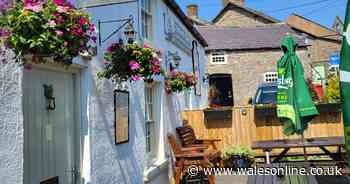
x=237 y=28
x=236 y=14
x=248 y=57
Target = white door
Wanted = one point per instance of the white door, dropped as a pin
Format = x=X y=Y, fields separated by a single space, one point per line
x=49 y=144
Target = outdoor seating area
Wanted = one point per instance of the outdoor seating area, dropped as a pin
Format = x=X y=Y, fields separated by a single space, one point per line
x=204 y=153
x=319 y=151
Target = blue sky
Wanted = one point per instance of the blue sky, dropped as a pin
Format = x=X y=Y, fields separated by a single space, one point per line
x=321 y=11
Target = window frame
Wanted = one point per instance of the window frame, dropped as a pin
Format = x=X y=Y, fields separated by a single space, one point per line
x=271 y=80
x=218 y=54
x=146 y=19
x=151 y=125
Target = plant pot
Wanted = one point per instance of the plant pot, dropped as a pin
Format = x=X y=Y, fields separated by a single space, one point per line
x=237 y=162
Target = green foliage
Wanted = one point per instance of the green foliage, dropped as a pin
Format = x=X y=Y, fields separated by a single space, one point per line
x=131 y=62
x=179 y=81
x=240 y=151
x=333 y=89
x=55 y=30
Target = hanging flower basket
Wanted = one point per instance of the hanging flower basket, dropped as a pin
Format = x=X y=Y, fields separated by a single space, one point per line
x=179 y=81
x=131 y=62
x=50 y=28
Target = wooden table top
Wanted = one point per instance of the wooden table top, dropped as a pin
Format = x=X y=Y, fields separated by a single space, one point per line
x=298 y=143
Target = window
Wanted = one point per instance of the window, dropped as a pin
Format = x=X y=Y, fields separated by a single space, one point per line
x=146 y=19
x=218 y=58
x=150 y=122
x=187 y=96
x=270 y=77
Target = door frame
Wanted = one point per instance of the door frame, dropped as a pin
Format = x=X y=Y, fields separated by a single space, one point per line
x=76 y=70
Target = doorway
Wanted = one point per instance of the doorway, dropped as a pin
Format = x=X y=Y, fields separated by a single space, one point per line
x=51 y=123
x=220 y=90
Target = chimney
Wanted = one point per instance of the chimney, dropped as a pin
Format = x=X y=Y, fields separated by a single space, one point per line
x=237 y=2
x=192 y=10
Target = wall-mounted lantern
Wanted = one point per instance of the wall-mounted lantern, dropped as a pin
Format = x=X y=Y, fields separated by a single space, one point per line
x=50 y=99
x=173 y=59
x=130 y=33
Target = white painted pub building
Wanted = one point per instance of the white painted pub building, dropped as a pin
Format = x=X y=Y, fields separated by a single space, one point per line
x=77 y=141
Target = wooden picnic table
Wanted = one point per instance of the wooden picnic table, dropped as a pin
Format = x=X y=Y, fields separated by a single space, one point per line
x=287 y=144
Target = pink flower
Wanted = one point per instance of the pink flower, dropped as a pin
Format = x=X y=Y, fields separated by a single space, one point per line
x=4 y=32
x=146 y=45
x=80 y=31
x=135 y=77
x=59 y=19
x=134 y=65
x=52 y=23
x=59 y=33
x=34 y=5
x=65 y=43
x=59 y=2
x=92 y=28
x=156 y=61
x=155 y=69
x=173 y=74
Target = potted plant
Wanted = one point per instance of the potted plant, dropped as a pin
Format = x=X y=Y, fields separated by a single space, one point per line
x=131 y=62
x=179 y=81
x=46 y=28
x=238 y=157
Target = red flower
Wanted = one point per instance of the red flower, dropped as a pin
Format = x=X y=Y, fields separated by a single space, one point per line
x=83 y=21
x=59 y=2
x=155 y=69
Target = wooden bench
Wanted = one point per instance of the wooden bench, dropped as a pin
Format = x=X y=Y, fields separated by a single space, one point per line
x=189 y=157
x=287 y=144
x=188 y=138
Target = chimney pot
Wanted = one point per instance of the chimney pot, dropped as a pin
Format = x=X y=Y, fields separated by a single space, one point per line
x=192 y=10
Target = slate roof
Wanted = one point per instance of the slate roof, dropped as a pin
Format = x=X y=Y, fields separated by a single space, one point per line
x=262 y=37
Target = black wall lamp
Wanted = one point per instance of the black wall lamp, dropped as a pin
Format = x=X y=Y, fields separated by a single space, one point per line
x=173 y=58
x=50 y=99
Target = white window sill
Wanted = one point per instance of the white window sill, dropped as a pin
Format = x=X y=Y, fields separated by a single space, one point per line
x=154 y=170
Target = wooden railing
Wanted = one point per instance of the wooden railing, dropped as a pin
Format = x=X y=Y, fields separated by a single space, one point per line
x=243 y=126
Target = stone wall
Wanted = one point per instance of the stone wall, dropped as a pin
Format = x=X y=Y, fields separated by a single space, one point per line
x=321 y=49
x=11 y=122
x=236 y=17
x=248 y=67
